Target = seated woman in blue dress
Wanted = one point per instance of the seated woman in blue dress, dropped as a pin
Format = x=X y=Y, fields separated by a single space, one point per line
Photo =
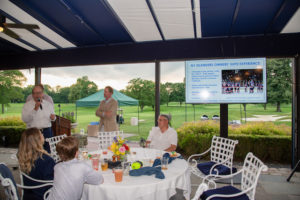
x=35 y=162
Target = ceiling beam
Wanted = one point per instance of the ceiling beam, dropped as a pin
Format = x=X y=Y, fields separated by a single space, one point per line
x=284 y=45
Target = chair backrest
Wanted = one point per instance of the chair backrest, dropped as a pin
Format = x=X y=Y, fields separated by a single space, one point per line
x=106 y=138
x=38 y=183
x=251 y=171
x=222 y=149
x=52 y=143
x=7 y=183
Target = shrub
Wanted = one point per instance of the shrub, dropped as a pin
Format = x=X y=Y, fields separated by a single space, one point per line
x=70 y=116
x=11 y=129
x=200 y=127
x=12 y=134
x=261 y=128
x=267 y=141
x=11 y=121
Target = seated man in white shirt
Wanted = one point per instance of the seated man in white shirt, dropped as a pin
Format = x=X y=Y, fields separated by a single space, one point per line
x=163 y=137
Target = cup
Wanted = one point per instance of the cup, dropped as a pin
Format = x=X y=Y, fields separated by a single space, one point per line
x=126 y=168
x=164 y=163
x=158 y=154
x=95 y=163
x=85 y=154
x=82 y=131
x=104 y=164
x=118 y=171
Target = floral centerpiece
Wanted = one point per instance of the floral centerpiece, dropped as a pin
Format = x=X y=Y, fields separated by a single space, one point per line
x=119 y=148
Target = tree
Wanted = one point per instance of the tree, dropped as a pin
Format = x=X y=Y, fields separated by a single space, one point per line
x=178 y=93
x=62 y=95
x=82 y=88
x=164 y=95
x=143 y=90
x=27 y=91
x=279 y=81
x=16 y=94
x=9 y=79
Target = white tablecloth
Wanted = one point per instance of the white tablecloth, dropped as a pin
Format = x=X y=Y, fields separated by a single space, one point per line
x=142 y=187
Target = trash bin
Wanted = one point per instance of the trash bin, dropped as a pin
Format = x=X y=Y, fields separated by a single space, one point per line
x=134 y=121
x=93 y=129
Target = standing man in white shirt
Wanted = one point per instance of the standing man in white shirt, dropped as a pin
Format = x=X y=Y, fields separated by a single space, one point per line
x=39 y=113
x=163 y=137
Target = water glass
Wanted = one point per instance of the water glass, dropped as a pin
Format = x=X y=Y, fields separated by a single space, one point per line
x=126 y=168
x=164 y=163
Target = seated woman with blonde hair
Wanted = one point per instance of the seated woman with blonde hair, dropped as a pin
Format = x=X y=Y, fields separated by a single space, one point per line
x=35 y=162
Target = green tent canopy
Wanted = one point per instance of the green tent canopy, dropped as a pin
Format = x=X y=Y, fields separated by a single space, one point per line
x=95 y=99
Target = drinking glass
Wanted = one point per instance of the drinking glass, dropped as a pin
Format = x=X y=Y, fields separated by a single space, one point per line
x=84 y=154
x=164 y=163
x=126 y=168
x=95 y=163
x=118 y=171
x=104 y=164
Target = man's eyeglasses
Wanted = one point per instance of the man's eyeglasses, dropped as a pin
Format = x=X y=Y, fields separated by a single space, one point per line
x=160 y=120
x=37 y=93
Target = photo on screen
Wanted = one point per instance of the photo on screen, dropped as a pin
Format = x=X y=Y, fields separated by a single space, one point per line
x=243 y=81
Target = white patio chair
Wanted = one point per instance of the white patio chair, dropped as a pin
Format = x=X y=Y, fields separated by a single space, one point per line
x=250 y=173
x=106 y=138
x=10 y=189
x=52 y=143
x=43 y=183
x=221 y=157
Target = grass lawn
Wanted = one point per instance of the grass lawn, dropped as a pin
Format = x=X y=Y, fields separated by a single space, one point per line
x=180 y=114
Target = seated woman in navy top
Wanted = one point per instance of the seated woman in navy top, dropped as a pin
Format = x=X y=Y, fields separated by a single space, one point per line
x=34 y=161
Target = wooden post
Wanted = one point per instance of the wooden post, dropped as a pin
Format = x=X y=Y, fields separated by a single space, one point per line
x=38 y=74
x=157 y=91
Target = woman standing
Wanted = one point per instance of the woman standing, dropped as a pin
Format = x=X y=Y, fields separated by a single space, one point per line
x=35 y=162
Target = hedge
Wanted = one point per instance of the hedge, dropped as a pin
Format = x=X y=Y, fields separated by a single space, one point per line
x=269 y=142
x=270 y=149
x=12 y=134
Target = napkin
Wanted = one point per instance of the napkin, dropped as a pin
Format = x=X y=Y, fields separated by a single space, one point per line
x=148 y=171
x=166 y=155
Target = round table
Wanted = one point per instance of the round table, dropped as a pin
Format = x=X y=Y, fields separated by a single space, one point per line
x=142 y=187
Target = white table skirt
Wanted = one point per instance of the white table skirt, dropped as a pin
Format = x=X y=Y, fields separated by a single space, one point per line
x=142 y=187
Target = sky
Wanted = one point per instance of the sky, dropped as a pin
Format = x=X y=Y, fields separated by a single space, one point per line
x=116 y=76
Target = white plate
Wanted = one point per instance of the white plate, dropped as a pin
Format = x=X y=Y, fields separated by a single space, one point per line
x=177 y=155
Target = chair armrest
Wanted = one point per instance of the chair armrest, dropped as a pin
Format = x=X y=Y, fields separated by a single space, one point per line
x=201 y=188
x=34 y=187
x=213 y=167
x=197 y=155
x=209 y=177
x=46 y=194
x=36 y=180
x=230 y=195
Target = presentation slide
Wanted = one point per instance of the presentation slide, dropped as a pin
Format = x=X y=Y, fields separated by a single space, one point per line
x=226 y=81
